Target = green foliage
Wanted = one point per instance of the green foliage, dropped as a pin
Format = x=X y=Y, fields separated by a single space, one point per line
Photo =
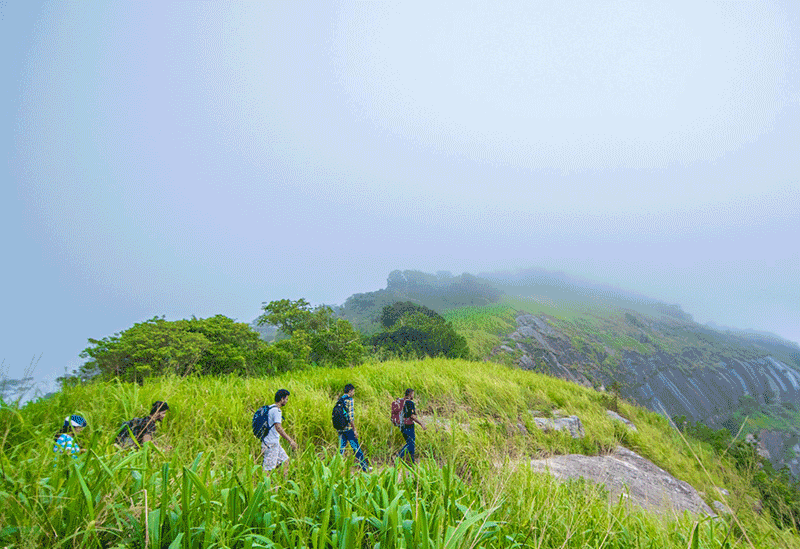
x=779 y=490
x=472 y=488
x=415 y=331
x=483 y=326
x=215 y=345
x=315 y=334
x=440 y=292
x=394 y=313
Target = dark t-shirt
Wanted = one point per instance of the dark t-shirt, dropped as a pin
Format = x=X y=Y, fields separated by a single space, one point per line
x=139 y=426
x=409 y=410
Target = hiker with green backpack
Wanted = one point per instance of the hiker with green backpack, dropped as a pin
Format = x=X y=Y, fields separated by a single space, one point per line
x=343 y=419
x=268 y=429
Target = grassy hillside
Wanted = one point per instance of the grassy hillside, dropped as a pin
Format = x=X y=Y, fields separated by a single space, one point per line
x=472 y=488
x=603 y=330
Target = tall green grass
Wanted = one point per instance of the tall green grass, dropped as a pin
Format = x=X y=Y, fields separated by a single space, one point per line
x=202 y=485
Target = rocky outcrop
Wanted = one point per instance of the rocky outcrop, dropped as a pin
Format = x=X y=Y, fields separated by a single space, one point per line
x=628 y=475
x=616 y=417
x=570 y=424
x=676 y=384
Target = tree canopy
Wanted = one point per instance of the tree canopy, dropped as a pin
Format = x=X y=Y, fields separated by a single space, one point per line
x=415 y=330
x=215 y=345
x=315 y=334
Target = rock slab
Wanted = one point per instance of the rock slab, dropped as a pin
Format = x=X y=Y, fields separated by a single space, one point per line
x=626 y=472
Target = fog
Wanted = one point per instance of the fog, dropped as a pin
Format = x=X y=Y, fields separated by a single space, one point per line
x=193 y=158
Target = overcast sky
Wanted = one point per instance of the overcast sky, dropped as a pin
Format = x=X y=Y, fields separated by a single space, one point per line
x=196 y=158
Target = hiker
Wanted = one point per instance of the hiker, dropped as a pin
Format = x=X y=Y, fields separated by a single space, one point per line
x=65 y=438
x=344 y=422
x=409 y=418
x=139 y=430
x=274 y=454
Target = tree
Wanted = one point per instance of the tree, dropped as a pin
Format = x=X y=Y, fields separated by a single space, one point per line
x=394 y=313
x=216 y=345
x=414 y=330
x=315 y=334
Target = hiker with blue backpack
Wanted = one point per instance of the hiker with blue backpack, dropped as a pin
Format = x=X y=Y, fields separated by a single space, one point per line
x=268 y=429
x=343 y=418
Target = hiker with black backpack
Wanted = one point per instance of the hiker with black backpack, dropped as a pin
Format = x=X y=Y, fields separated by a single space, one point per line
x=343 y=418
x=404 y=415
x=268 y=429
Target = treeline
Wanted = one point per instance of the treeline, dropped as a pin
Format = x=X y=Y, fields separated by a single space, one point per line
x=439 y=292
x=779 y=490
x=308 y=336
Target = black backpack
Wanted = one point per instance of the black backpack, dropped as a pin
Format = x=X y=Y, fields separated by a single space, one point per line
x=129 y=431
x=338 y=416
x=261 y=424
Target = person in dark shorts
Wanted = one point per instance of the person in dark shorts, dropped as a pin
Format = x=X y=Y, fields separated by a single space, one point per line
x=139 y=430
x=409 y=416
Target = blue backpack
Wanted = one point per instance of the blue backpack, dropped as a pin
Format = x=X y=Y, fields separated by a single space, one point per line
x=261 y=424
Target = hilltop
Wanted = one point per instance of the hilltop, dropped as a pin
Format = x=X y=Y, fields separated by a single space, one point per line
x=652 y=352
x=473 y=486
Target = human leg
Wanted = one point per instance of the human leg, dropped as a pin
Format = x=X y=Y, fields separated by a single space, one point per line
x=274 y=455
x=409 y=435
x=350 y=437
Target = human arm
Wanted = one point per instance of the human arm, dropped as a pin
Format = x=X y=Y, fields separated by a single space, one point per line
x=281 y=432
x=412 y=409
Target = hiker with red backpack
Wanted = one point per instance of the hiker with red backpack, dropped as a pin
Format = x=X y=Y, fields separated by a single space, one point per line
x=343 y=418
x=404 y=415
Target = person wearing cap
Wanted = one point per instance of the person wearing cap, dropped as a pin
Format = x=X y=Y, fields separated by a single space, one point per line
x=139 y=430
x=65 y=438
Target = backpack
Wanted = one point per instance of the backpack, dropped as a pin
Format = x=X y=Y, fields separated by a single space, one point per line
x=338 y=416
x=125 y=432
x=261 y=424
x=397 y=410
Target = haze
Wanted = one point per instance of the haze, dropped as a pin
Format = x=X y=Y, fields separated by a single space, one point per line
x=196 y=158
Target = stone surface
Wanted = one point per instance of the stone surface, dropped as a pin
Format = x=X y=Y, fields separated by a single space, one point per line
x=571 y=424
x=721 y=507
x=616 y=417
x=625 y=472
x=671 y=383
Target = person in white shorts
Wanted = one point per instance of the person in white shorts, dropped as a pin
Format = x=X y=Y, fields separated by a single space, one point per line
x=274 y=455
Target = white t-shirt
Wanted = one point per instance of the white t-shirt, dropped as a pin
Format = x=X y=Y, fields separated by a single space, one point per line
x=274 y=416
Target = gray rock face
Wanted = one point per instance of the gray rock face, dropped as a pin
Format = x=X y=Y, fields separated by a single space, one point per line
x=571 y=424
x=662 y=381
x=625 y=472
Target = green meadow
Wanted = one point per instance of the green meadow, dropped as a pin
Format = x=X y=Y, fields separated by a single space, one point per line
x=201 y=484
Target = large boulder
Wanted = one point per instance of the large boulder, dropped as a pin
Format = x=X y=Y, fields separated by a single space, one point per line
x=627 y=474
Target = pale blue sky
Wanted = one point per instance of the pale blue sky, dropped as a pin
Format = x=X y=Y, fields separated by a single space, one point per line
x=194 y=158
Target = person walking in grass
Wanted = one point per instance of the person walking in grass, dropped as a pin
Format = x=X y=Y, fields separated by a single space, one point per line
x=271 y=448
x=139 y=430
x=347 y=432
x=65 y=438
x=409 y=418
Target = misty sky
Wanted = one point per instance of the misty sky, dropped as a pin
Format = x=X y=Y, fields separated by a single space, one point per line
x=195 y=158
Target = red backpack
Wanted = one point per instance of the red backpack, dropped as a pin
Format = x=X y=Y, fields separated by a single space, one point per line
x=397 y=410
